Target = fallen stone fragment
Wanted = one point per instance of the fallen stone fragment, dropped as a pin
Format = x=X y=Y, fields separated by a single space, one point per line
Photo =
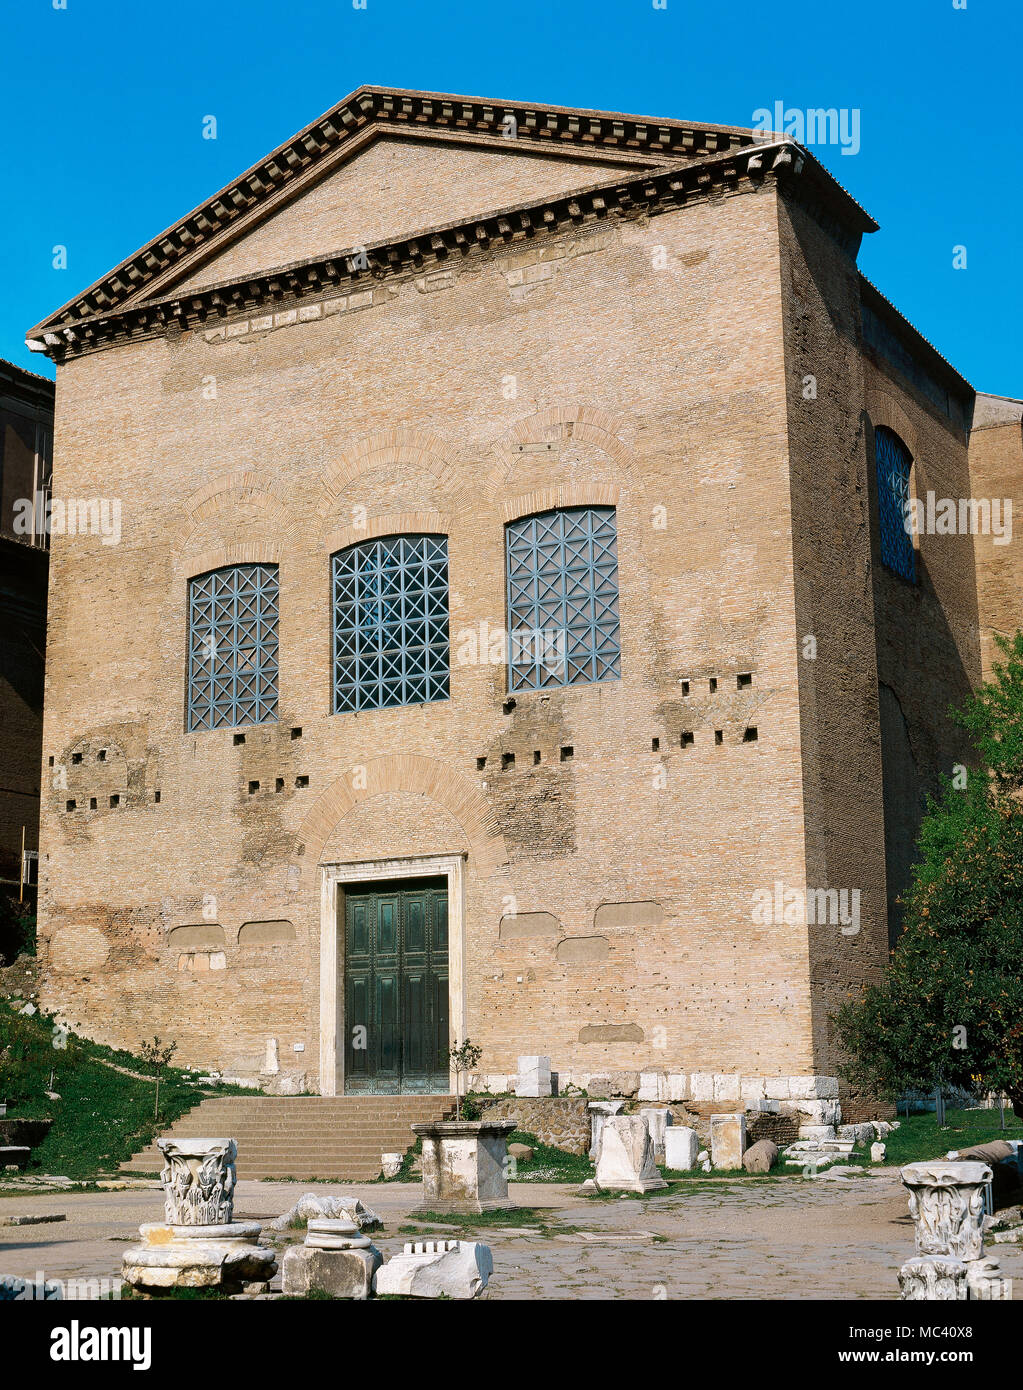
x=877 y=1152
x=35 y=1219
x=760 y=1157
x=1012 y=1235
x=859 y=1134
x=437 y=1268
x=337 y=1207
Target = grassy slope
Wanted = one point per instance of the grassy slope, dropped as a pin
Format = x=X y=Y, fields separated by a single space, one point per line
x=102 y=1116
x=918 y=1137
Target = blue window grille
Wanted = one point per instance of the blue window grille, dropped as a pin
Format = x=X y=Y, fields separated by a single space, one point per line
x=563 y=598
x=233 y=647
x=391 y=643
x=893 y=466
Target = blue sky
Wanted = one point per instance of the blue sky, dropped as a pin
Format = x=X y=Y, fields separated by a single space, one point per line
x=103 y=101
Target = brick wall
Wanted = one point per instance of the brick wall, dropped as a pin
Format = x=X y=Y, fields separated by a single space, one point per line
x=655 y=365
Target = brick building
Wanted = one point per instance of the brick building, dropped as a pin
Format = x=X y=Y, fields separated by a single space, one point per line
x=510 y=626
x=26 y=435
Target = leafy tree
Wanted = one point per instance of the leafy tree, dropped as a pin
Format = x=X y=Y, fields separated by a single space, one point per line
x=949 y=1010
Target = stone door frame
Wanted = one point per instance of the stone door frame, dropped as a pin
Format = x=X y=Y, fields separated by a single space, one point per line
x=334 y=877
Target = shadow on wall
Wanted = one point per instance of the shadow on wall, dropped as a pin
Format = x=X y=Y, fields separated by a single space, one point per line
x=904 y=804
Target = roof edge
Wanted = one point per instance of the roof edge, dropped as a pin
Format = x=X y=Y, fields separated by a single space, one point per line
x=556 y=128
x=643 y=191
x=937 y=362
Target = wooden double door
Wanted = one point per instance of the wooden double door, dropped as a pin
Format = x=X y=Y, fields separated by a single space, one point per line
x=396 y=988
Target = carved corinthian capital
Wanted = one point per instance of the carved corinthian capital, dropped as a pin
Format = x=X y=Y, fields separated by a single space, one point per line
x=198 y=1181
x=946 y=1200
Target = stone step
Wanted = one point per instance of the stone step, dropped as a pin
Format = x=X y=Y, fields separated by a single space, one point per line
x=304 y=1137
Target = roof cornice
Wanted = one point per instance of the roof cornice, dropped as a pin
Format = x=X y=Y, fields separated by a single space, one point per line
x=366 y=113
x=646 y=192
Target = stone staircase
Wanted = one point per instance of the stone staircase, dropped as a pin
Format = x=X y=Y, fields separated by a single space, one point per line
x=334 y=1137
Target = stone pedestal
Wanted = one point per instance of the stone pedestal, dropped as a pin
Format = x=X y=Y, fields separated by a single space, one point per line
x=681 y=1145
x=727 y=1140
x=534 y=1077
x=199 y=1245
x=946 y=1201
x=599 y=1111
x=657 y=1122
x=625 y=1162
x=225 y=1256
x=335 y=1259
x=464 y=1165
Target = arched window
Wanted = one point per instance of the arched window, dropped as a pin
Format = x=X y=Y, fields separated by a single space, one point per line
x=391 y=644
x=232 y=647
x=563 y=623
x=893 y=467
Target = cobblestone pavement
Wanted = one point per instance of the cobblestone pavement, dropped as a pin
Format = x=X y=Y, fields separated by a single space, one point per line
x=824 y=1238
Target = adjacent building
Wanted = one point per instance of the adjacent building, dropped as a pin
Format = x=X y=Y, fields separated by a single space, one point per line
x=26 y=435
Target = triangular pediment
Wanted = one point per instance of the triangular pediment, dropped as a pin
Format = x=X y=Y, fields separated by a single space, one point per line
x=395 y=185
x=381 y=164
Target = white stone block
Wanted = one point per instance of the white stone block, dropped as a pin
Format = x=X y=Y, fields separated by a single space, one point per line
x=681 y=1148
x=701 y=1085
x=534 y=1077
x=818 y=1132
x=727 y=1140
x=657 y=1122
x=678 y=1086
x=813 y=1087
x=752 y=1087
x=859 y=1134
x=726 y=1086
x=817 y=1112
x=652 y=1086
x=877 y=1152
x=777 y=1087
x=436 y=1269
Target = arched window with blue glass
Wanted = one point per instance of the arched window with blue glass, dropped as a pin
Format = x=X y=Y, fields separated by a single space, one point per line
x=232 y=647
x=390 y=623
x=894 y=466
x=563 y=621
